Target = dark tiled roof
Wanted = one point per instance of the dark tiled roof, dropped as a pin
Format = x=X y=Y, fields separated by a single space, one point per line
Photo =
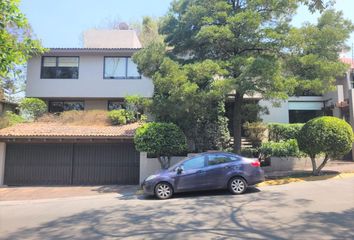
x=55 y=130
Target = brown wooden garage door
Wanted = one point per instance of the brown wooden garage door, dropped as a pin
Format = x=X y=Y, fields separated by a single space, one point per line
x=71 y=164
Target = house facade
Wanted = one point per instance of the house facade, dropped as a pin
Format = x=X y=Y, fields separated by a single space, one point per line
x=97 y=76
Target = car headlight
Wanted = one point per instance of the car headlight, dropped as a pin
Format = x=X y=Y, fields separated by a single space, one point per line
x=150 y=177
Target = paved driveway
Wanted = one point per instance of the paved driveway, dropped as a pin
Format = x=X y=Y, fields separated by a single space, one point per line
x=307 y=210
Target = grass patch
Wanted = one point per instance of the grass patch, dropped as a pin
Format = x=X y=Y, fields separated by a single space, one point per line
x=88 y=118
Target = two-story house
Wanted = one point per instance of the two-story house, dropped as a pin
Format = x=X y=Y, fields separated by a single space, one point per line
x=97 y=76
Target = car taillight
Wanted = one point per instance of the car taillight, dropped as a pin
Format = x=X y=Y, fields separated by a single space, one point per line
x=255 y=164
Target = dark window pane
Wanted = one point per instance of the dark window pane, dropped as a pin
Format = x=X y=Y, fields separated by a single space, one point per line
x=67 y=72
x=302 y=116
x=55 y=107
x=194 y=163
x=115 y=105
x=68 y=106
x=49 y=72
x=60 y=67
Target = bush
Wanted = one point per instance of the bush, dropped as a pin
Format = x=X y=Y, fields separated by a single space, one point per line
x=9 y=119
x=250 y=152
x=118 y=117
x=256 y=132
x=282 y=131
x=325 y=135
x=287 y=148
x=160 y=139
x=33 y=108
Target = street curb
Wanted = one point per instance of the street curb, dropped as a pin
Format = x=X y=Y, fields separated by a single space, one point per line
x=287 y=180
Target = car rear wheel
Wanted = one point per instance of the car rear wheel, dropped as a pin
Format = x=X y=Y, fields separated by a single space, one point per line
x=163 y=191
x=237 y=185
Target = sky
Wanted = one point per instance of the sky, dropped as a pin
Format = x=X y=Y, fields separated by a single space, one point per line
x=60 y=23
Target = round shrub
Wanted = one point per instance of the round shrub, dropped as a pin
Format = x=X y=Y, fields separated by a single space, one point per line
x=117 y=117
x=160 y=139
x=33 y=107
x=329 y=135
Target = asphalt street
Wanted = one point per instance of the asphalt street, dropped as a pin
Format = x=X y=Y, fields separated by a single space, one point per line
x=306 y=210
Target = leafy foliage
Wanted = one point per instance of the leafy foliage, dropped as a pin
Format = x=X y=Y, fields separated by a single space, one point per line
x=327 y=135
x=136 y=105
x=118 y=117
x=9 y=119
x=16 y=43
x=33 y=108
x=161 y=139
x=248 y=46
x=256 y=132
x=283 y=131
x=287 y=148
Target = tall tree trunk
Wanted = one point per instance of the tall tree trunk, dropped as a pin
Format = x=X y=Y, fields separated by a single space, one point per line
x=237 y=122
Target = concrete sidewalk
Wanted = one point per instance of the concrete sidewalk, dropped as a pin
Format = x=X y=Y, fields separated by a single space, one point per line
x=50 y=192
x=332 y=166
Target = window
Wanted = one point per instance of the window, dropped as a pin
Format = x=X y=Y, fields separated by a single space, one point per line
x=302 y=116
x=60 y=67
x=216 y=159
x=61 y=106
x=120 y=68
x=115 y=105
x=194 y=163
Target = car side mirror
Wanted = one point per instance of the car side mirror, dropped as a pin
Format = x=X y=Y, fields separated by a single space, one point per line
x=179 y=170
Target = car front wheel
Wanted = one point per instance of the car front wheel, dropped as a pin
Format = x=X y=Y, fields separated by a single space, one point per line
x=237 y=185
x=163 y=191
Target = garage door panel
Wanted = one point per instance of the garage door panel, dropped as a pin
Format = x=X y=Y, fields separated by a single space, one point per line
x=38 y=164
x=113 y=163
x=72 y=163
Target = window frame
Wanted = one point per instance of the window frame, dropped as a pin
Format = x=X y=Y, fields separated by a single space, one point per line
x=56 y=66
x=126 y=69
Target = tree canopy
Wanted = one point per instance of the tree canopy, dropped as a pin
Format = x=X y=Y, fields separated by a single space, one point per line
x=16 y=40
x=255 y=47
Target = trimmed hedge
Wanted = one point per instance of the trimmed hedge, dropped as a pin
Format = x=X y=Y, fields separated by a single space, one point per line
x=283 y=132
x=287 y=148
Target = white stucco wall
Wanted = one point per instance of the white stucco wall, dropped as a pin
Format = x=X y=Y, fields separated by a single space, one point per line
x=90 y=84
x=276 y=114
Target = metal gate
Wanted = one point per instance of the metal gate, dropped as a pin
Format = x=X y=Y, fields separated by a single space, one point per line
x=71 y=164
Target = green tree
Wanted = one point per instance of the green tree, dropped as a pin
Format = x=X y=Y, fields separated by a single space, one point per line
x=161 y=139
x=253 y=43
x=330 y=136
x=32 y=108
x=16 y=40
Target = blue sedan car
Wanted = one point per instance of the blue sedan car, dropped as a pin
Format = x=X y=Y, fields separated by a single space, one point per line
x=205 y=171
